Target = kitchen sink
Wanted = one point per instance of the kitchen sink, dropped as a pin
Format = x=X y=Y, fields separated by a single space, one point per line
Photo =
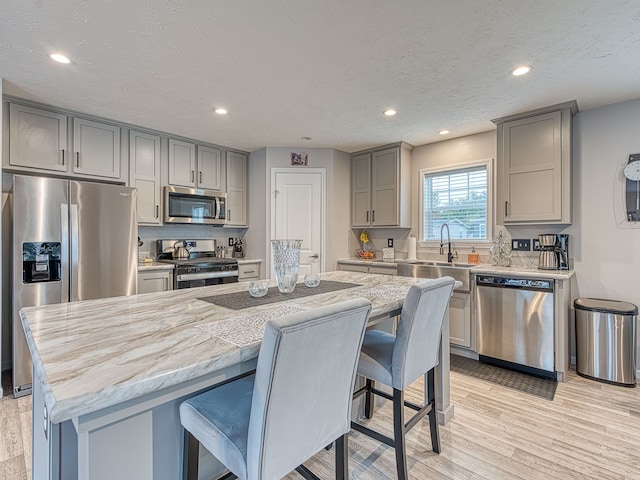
x=429 y=269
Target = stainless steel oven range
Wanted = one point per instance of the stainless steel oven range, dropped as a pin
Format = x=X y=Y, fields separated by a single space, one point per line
x=201 y=268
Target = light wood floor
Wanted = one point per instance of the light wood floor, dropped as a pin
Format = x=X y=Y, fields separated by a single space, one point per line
x=590 y=431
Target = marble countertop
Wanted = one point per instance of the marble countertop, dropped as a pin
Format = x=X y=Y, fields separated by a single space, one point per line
x=94 y=354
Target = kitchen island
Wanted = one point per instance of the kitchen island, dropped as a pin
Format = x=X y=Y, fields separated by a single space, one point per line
x=109 y=374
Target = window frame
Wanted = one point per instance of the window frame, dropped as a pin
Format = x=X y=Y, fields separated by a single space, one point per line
x=488 y=163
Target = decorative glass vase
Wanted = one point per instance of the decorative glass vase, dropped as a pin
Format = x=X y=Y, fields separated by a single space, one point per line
x=286 y=263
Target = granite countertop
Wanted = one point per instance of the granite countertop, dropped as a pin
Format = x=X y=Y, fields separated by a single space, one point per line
x=376 y=262
x=94 y=354
x=524 y=271
x=520 y=270
x=243 y=261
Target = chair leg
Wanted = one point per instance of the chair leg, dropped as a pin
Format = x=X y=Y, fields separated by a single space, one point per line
x=368 y=399
x=342 y=458
x=398 y=434
x=190 y=457
x=433 y=420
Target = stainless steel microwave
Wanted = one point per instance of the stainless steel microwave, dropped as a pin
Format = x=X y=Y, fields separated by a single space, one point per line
x=192 y=205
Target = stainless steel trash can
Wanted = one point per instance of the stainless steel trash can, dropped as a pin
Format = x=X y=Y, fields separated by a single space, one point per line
x=606 y=340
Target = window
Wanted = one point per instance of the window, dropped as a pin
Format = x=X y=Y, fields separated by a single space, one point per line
x=458 y=197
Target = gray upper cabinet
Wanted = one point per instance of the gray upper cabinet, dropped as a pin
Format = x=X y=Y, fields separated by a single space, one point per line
x=37 y=139
x=211 y=169
x=236 y=190
x=380 y=187
x=182 y=163
x=96 y=149
x=144 y=162
x=534 y=166
x=196 y=166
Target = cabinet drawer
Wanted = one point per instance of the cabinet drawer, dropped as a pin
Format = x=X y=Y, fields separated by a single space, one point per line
x=248 y=271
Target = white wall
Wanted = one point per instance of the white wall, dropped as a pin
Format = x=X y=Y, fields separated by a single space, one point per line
x=4 y=200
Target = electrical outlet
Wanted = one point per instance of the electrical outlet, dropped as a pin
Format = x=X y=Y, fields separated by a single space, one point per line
x=390 y=242
x=231 y=242
x=521 y=244
x=536 y=245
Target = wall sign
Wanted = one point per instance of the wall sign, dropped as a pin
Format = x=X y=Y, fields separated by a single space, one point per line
x=299 y=159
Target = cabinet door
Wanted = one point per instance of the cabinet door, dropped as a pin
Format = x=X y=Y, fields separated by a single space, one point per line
x=144 y=158
x=236 y=189
x=532 y=169
x=211 y=169
x=96 y=148
x=361 y=190
x=151 y=282
x=37 y=138
x=385 y=177
x=182 y=163
x=460 y=320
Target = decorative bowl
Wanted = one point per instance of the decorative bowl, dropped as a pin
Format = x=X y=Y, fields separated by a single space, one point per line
x=258 y=288
x=312 y=280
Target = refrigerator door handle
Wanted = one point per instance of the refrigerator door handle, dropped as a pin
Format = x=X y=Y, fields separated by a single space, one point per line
x=73 y=240
x=64 y=251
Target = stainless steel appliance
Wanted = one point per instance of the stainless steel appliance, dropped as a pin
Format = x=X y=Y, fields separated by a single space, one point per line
x=71 y=241
x=201 y=268
x=554 y=252
x=515 y=323
x=191 y=205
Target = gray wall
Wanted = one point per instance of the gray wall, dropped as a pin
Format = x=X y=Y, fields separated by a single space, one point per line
x=338 y=176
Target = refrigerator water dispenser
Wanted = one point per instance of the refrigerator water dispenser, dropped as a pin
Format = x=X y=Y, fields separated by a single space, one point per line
x=41 y=262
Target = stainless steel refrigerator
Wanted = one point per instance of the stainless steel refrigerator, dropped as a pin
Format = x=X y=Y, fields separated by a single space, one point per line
x=71 y=241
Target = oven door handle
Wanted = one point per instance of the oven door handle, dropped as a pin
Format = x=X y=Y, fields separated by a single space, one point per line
x=185 y=277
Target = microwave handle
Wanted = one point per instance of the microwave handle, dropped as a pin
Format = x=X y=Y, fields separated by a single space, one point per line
x=217 y=208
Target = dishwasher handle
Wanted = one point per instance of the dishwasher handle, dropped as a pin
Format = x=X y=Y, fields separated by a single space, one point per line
x=536 y=284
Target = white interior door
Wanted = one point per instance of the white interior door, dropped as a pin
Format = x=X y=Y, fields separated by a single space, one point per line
x=298 y=213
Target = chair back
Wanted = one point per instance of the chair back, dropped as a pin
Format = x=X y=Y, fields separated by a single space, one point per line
x=303 y=386
x=415 y=350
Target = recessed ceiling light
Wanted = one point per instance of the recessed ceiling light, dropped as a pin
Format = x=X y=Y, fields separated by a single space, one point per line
x=305 y=138
x=58 y=57
x=521 y=70
x=444 y=132
x=220 y=111
x=389 y=112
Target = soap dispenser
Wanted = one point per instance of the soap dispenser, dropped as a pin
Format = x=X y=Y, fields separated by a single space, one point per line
x=473 y=257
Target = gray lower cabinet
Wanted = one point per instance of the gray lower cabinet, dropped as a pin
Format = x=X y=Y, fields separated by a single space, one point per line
x=348 y=267
x=460 y=329
x=155 y=281
x=249 y=271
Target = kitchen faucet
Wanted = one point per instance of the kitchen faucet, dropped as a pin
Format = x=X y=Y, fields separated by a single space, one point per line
x=450 y=256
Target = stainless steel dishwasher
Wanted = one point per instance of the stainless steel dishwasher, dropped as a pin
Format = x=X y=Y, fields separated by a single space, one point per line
x=515 y=322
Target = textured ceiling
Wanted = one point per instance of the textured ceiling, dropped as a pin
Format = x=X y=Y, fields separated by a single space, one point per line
x=325 y=69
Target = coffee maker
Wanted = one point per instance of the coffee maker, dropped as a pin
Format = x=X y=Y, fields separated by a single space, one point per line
x=554 y=251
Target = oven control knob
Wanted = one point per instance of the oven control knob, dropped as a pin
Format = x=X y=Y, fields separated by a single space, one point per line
x=197 y=269
x=189 y=269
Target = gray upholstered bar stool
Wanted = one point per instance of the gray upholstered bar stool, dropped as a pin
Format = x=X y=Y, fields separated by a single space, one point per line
x=399 y=360
x=299 y=400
